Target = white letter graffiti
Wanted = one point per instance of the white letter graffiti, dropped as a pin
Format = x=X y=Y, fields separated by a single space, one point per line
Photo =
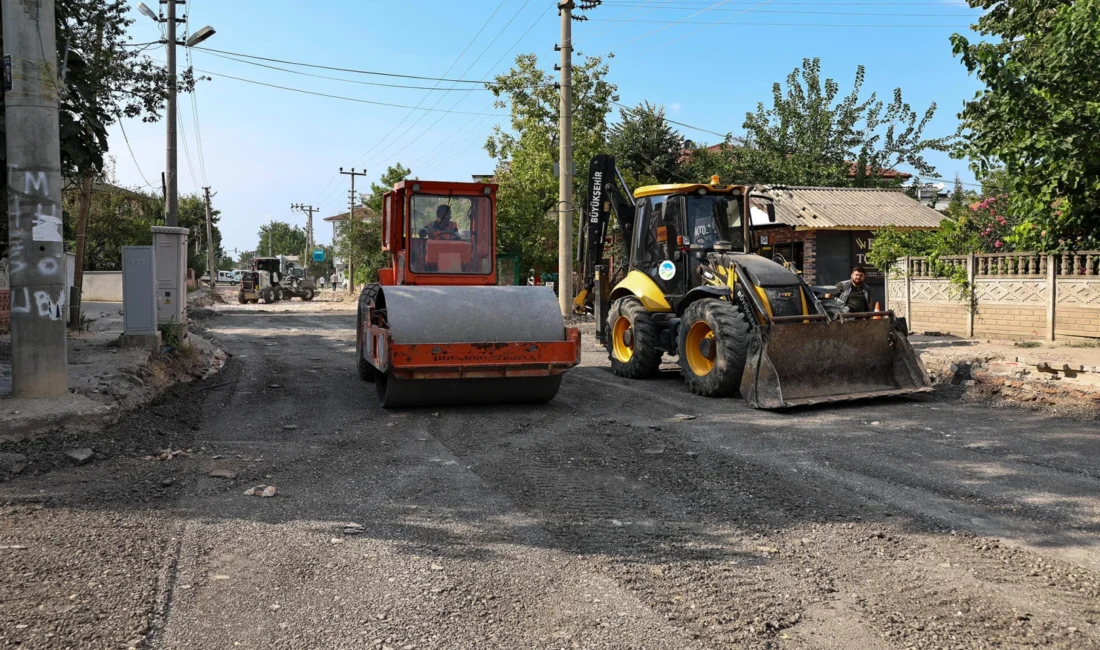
x=47 y=307
x=26 y=308
x=47 y=227
x=47 y=266
x=39 y=183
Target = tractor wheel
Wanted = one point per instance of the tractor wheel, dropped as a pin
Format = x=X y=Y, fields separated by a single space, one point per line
x=307 y=295
x=241 y=299
x=268 y=296
x=633 y=339
x=714 y=343
x=279 y=295
x=366 y=298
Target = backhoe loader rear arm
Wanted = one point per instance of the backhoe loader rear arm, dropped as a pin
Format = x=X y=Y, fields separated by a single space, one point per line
x=607 y=193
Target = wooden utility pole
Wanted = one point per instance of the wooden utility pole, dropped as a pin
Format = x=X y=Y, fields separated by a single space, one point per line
x=351 y=220
x=210 y=241
x=36 y=250
x=565 y=163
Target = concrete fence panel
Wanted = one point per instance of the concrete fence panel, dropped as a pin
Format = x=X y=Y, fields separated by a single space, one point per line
x=102 y=286
x=1013 y=296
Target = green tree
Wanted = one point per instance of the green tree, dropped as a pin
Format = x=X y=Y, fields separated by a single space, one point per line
x=645 y=144
x=106 y=79
x=527 y=148
x=1038 y=115
x=394 y=174
x=119 y=217
x=284 y=239
x=812 y=136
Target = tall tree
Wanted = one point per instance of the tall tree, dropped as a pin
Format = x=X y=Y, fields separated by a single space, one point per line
x=1038 y=115
x=394 y=174
x=527 y=148
x=813 y=136
x=284 y=238
x=646 y=144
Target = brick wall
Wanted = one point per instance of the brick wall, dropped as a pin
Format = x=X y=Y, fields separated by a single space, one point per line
x=944 y=318
x=785 y=235
x=1006 y=321
x=1077 y=322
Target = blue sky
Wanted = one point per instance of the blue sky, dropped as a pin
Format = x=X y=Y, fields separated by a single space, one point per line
x=263 y=149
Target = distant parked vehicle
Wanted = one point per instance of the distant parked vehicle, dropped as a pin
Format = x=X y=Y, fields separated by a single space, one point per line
x=228 y=277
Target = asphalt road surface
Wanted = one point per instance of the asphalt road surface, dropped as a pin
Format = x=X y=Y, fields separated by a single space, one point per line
x=621 y=515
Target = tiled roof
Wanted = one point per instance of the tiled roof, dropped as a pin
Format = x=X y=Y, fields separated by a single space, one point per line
x=361 y=212
x=840 y=207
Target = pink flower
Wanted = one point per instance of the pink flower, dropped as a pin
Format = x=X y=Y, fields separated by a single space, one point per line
x=997 y=244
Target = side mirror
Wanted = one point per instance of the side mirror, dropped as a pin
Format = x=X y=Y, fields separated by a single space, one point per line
x=771 y=212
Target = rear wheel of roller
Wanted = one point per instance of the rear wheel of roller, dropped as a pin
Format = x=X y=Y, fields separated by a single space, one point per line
x=633 y=342
x=714 y=343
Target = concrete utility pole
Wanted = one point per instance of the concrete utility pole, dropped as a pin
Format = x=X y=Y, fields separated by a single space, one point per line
x=36 y=247
x=565 y=164
x=210 y=241
x=351 y=219
x=171 y=203
x=309 y=210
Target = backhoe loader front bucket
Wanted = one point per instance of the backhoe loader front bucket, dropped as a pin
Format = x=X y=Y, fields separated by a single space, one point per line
x=797 y=361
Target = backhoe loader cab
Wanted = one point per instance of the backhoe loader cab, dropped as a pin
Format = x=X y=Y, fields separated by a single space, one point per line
x=738 y=322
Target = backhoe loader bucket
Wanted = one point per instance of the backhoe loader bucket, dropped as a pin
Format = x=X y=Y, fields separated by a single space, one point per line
x=796 y=361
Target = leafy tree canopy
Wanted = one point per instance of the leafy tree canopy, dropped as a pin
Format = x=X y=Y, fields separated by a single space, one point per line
x=394 y=174
x=527 y=149
x=1038 y=115
x=284 y=239
x=646 y=145
x=811 y=135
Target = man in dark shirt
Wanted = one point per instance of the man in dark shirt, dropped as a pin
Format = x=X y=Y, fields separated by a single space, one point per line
x=854 y=295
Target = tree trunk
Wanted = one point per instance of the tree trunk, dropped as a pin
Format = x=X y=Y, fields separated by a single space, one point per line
x=84 y=208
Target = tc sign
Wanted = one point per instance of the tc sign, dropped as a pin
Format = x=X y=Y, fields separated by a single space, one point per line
x=319 y=255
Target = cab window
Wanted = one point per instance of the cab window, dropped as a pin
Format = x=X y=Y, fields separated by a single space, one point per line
x=450 y=234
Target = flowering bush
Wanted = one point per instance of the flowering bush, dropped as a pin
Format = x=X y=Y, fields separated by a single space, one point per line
x=987 y=218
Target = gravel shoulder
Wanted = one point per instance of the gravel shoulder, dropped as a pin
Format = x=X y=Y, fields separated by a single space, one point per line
x=620 y=515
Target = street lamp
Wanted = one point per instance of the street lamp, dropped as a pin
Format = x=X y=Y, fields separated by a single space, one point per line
x=200 y=36
x=171 y=202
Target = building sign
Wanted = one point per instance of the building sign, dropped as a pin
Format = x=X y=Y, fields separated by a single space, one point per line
x=861 y=245
x=319 y=255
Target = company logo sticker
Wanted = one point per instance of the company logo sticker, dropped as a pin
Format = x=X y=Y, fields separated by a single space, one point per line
x=667 y=270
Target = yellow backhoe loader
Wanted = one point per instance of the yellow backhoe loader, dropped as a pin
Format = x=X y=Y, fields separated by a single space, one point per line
x=739 y=322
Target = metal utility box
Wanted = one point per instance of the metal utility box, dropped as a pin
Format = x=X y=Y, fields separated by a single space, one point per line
x=139 y=311
x=170 y=256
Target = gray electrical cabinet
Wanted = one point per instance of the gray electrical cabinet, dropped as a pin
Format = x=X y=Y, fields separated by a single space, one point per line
x=139 y=309
x=170 y=246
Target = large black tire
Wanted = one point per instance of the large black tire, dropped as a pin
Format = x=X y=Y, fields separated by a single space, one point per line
x=366 y=297
x=307 y=295
x=268 y=296
x=632 y=339
x=241 y=299
x=714 y=343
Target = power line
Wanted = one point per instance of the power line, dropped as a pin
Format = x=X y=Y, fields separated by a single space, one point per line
x=350 y=81
x=186 y=149
x=463 y=130
x=422 y=99
x=687 y=126
x=878 y=14
x=745 y=24
x=694 y=4
x=341 y=97
x=468 y=68
x=758 y=4
x=133 y=157
x=337 y=69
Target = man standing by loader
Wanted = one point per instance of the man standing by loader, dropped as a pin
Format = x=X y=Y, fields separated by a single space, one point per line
x=854 y=296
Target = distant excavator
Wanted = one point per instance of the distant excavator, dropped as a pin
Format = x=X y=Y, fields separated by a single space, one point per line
x=739 y=322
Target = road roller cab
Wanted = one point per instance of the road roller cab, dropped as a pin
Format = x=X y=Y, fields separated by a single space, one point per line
x=435 y=328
